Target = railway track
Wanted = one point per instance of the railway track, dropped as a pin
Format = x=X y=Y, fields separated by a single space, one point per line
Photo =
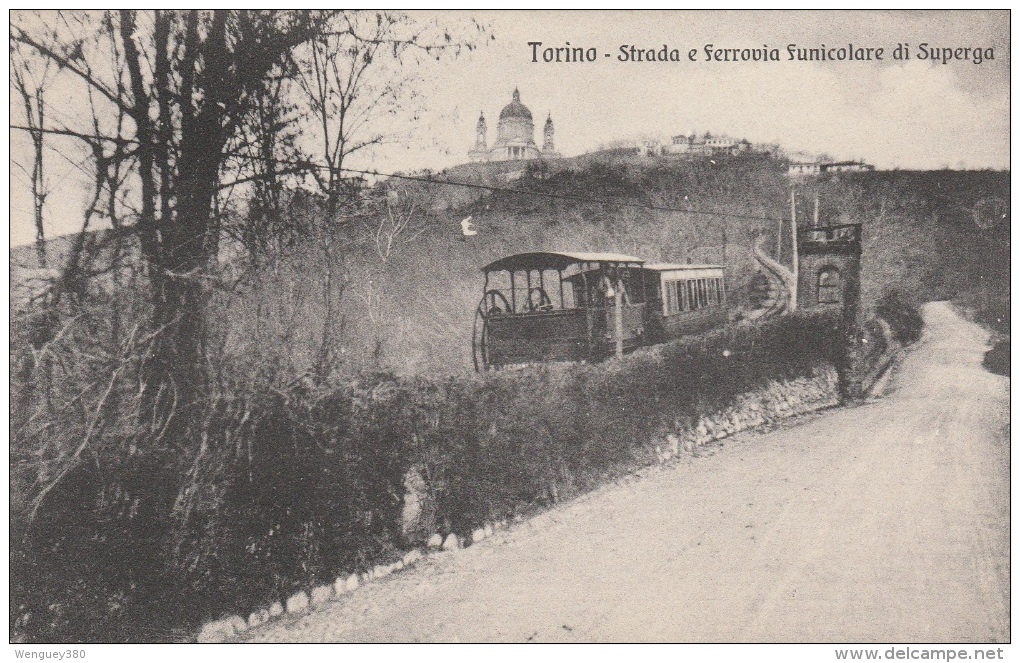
x=780 y=284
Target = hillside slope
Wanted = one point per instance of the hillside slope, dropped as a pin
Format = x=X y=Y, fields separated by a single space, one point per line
x=407 y=305
x=932 y=234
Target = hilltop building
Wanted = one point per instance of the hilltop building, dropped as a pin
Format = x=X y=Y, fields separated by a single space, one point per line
x=515 y=136
x=706 y=145
x=847 y=167
x=804 y=168
x=810 y=168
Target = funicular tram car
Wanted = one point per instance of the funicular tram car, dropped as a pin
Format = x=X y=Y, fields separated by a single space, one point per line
x=570 y=306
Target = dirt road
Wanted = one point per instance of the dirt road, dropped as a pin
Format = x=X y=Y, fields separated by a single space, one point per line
x=885 y=522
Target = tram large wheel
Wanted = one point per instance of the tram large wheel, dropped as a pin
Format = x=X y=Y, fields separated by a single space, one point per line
x=479 y=339
x=493 y=303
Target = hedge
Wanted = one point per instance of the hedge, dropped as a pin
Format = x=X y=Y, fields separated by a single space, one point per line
x=294 y=487
x=318 y=489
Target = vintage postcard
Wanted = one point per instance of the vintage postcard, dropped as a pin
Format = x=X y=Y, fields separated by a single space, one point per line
x=373 y=326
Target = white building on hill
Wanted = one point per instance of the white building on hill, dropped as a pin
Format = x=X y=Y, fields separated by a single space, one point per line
x=706 y=144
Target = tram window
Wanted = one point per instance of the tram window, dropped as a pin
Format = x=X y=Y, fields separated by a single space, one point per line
x=828 y=286
x=570 y=296
x=681 y=299
x=691 y=300
x=669 y=303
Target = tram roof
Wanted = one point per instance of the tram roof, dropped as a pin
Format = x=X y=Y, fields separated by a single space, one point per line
x=670 y=266
x=557 y=260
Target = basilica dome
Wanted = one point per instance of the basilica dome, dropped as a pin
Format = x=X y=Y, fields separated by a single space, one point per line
x=515 y=109
x=516 y=129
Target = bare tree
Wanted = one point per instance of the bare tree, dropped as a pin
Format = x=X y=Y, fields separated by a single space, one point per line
x=398 y=215
x=30 y=76
x=265 y=162
x=355 y=75
x=188 y=79
x=184 y=84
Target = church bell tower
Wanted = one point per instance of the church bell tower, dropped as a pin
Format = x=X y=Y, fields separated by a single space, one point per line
x=480 y=131
x=548 y=144
x=481 y=151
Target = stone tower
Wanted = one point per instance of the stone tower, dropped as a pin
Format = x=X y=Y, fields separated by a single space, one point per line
x=829 y=270
x=829 y=276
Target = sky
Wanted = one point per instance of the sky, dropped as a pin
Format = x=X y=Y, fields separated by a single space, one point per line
x=895 y=113
x=906 y=114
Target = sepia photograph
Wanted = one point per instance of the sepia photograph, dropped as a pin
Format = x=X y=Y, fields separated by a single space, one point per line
x=403 y=326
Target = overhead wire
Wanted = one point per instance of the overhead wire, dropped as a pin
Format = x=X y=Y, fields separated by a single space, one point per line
x=545 y=194
x=568 y=196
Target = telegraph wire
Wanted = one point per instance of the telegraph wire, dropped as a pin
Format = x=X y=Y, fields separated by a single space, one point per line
x=470 y=185
x=566 y=196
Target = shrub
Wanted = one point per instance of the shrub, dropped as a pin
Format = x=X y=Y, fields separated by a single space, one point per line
x=994 y=312
x=997 y=359
x=989 y=305
x=903 y=316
